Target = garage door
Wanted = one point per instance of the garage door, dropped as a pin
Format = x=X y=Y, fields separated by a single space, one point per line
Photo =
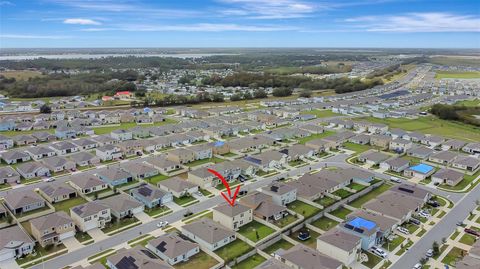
x=7 y=255
x=67 y=235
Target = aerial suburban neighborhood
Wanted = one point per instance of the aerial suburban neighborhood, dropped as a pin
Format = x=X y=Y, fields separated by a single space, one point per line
x=114 y=156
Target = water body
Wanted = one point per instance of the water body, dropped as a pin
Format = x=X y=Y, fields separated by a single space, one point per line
x=96 y=56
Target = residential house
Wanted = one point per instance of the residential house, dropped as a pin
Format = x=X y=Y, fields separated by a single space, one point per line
x=14 y=243
x=123 y=206
x=114 y=176
x=64 y=147
x=109 y=152
x=268 y=160
x=177 y=186
x=372 y=157
x=453 y=144
x=162 y=164
x=23 y=201
x=139 y=170
x=400 y=145
x=381 y=141
x=121 y=134
x=58 y=164
x=40 y=152
x=136 y=257
x=395 y=164
x=202 y=151
x=172 y=248
x=9 y=175
x=447 y=176
x=84 y=158
x=421 y=152
x=208 y=233
x=22 y=140
x=15 y=156
x=151 y=196
x=87 y=183
x=298 y=152
x=264 y=207
x=467 y=163
x=85 y=143
x=6 y=142
x=232 y=217
x=443 y=157
x=33 y=169
x=90 y=216
x=57 y=192
x=361 y=139
x=181 y=156
x=282 y=194
x=340 y=245
x=420 y=171
x=52 y=229
x=472 y=148
x=301 y=256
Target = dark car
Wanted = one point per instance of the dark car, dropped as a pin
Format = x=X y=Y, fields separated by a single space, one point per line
x=304 y=235
x=415 y=221
x=472 y=232
x=188 y=213
x=433 y=203
x=241 y=193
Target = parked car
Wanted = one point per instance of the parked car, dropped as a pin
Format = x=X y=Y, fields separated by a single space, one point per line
x=162 y=224
x=424 y=214
x=51 y=179
x=472 y=232
x=403 y=230
x=417 y=266
x=395 y=179
x=429 y=253
x=188 y=213
x=461 y=224
x=415 y=221
x=378 y=251
x=433 y=203
x=241 y=193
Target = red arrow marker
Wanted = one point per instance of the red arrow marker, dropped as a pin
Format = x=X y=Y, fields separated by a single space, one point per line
x=229 y=199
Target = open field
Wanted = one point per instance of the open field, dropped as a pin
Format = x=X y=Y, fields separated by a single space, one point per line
x=324 y=113
x=460 y=75
x=469 y=103
x=454 y=60
x=21 y=75
x=432 y=125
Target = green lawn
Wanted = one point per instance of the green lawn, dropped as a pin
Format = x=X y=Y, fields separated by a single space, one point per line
x=120 y=224
x=452 y=256
x=342 y=193
x=255 y=231
x=469 y=103
x=82 y=236
x=432 y=125
x=143 y=242
x=404 y=247
x=453 y=74
x=410 y=227
x=280 y=244
x=325 y=201
x=205 y=193
x=204 y=161
x=323 y=113
x=315 y=136
x=468 y=239
x=230 y=154
x=455 y=234
x=235 y=249
x=325 y=223
x=40 y=252
x=370 y=195
x=296 y=162
x=356 y=147
x=249 y=263
x=199 y=261
x=285 y=221
x=372 y=261
x=303 y=208
x=159 y=210
x=67 y=204
x=341 y=212
x=391 y=245
x=155 y=179
x=311 y=242
x=356 y=186
x=128 y=125
x=184 y=200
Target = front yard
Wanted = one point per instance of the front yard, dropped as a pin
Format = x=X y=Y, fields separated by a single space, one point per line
x=119 y=225
x=67 y=204
x=184 y=200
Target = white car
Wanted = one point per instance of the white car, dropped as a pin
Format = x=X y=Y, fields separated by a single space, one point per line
x=395 y=179
x=403 y=230
x=162 y=224
x=417 y=266
x=378 y=251
x=429 y=253
x=424 y=214
x=50 y=179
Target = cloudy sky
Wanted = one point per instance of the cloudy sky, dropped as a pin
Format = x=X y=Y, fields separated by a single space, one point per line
x=240 y=23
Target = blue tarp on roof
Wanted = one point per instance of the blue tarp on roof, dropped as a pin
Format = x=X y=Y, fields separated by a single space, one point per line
x=219 y=143
x=362 y=223
x=422 y=168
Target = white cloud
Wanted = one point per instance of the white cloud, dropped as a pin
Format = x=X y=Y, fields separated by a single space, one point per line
x=268 y=9
x=200 y=27
x=81 y=21
x=417 y=22
x=15 y=36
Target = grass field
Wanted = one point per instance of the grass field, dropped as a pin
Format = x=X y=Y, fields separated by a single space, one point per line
x=67 y=204
x=325 y=223
x=280 y=244
x=356 y=147
x=303 y=208
x=372 y=194
x=460 y=75
x=324 y=113
x=198 y=261
x=341 y=212
x=454 y=60
x=249 y=263
x=432 y=125
x=235 y=249
x=315 y=136
x=311 y=242
x=452 y=256
x=469 y=103
x=21 y=74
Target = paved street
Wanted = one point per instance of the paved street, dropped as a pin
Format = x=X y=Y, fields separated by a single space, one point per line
x=443 y=229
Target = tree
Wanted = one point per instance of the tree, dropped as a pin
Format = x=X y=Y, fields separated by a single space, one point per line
x=217 y=97
x=305 y=93
x=435 y=248
x=282 y=92
x=236 y=97
x=260 y=93
x=247 y=96
x=45 y=109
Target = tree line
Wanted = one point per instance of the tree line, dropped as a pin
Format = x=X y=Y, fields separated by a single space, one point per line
x=457 y=113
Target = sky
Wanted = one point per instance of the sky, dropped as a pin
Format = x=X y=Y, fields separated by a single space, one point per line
x=240 y=23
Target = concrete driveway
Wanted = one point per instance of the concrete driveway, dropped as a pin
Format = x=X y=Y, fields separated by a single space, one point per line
x=72 y=244
x=97 y=234
x=9 y=264
x=143 y=217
